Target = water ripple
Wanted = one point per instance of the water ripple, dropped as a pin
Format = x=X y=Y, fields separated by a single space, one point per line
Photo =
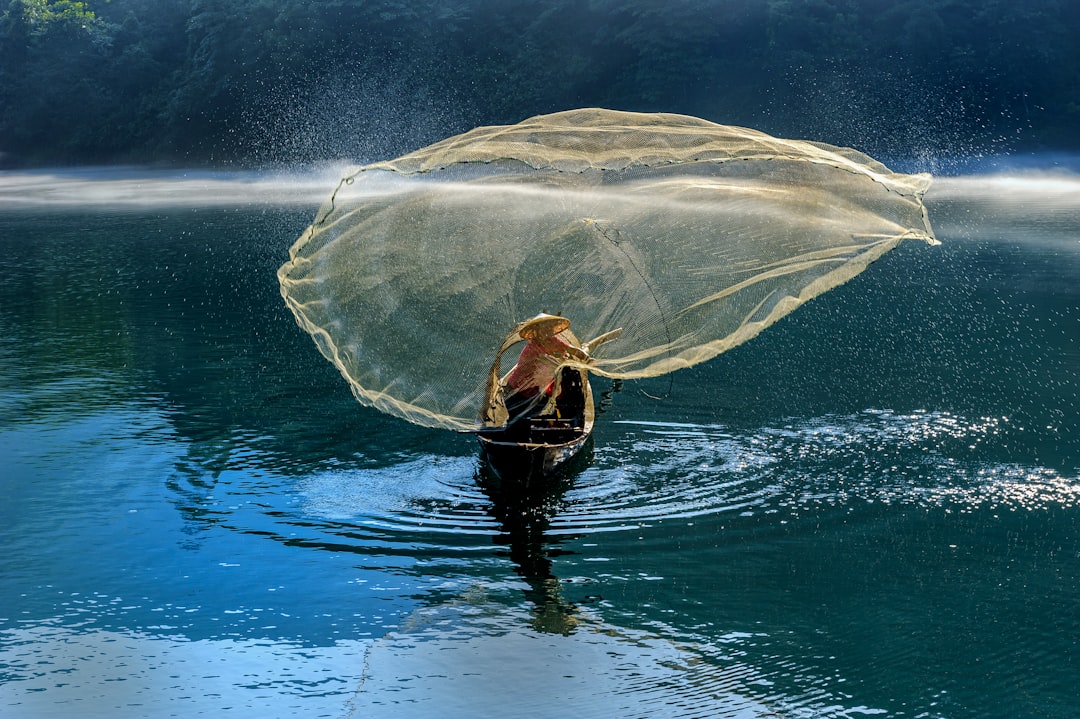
x=685 y=471
x=643 y=473
x=439 y=496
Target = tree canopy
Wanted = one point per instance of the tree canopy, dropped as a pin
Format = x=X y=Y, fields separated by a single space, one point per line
x=288 y=81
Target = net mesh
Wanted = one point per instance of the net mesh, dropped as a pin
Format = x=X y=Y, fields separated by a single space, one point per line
x=691 y=236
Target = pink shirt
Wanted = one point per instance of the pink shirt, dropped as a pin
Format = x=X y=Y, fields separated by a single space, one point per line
x=535 y=369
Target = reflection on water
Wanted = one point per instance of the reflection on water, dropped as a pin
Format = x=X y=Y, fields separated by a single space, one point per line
x=198 y=517
x=464 y=658
x=108 y=673
x=524 y=507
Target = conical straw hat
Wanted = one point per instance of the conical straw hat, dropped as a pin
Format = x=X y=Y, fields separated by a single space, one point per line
x=543 y=325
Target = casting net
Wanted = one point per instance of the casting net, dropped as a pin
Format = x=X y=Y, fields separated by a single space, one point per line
x=691 y=236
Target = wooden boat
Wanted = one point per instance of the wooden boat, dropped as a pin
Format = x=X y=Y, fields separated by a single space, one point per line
x=527 y=438
x=542 y=441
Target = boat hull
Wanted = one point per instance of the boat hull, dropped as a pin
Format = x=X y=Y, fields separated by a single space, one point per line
x=527 y=460
x=545 y=444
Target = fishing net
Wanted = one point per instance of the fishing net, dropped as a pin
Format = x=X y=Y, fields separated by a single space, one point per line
x=692 y=237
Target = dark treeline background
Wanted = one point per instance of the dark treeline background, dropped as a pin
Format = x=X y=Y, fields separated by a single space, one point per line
x=271 y=82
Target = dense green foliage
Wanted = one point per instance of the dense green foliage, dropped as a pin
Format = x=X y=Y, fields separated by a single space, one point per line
x=284 y=81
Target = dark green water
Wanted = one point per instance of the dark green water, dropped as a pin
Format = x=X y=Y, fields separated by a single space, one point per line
x=873 y=509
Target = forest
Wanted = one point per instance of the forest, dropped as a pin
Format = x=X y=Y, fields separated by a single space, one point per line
x=258 y=83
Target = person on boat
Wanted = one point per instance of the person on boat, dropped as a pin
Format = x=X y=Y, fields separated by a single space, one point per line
x=532 y=381
x=543 y=354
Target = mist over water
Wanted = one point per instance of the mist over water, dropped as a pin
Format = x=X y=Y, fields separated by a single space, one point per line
x=199 y=519
x=112 y=188
x=1005 y=184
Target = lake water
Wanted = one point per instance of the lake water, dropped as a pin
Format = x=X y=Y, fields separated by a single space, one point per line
x=873 y=509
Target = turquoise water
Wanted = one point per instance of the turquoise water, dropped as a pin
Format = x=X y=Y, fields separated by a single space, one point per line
x=873 y=509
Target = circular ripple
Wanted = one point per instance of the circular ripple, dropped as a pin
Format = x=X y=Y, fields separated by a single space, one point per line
x=428 y=494
x=664 y=471
x=643 y=473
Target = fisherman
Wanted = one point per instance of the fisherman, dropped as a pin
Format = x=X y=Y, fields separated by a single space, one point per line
x=532 y=381
x=544 y=352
